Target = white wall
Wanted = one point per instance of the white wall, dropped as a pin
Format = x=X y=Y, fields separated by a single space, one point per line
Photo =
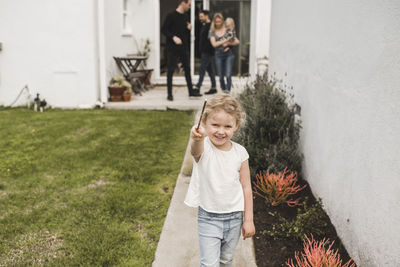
x=260 y=32
x=144 y=21
x=343 y=60
x=142 y=24
x=50 y=46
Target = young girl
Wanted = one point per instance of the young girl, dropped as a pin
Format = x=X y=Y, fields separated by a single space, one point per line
x=220 y=185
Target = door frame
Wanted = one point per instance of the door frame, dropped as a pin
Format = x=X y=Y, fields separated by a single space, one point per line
x=181 y=80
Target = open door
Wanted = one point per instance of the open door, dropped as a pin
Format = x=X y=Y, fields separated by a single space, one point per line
x=239 y=10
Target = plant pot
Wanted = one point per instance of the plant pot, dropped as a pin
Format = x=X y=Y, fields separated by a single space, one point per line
x=116 y=93
x=127 y=97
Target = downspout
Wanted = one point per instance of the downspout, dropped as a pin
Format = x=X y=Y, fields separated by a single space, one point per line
x=253 y=40
x=192 y=36
x=102 y=52
x=260 y=33
x=156 y=40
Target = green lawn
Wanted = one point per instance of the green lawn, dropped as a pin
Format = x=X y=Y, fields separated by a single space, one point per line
x=88 y=187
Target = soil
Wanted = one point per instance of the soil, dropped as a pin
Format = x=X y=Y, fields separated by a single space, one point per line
x=272 y=252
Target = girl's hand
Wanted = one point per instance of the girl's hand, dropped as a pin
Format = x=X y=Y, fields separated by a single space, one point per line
x=248 y=229
x=197 y=134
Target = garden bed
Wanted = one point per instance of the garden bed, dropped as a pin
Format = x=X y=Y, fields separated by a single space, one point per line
x=271 y=252
x=271 y=136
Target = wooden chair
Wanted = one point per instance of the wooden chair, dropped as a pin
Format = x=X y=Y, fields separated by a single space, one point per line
x=131 y=74
x=140 y=67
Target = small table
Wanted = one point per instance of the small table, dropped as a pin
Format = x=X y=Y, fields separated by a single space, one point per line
x=129 y=66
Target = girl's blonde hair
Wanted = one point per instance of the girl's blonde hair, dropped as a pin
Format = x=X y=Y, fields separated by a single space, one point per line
x=224 y=102
x=216 y=15
x=230 y=21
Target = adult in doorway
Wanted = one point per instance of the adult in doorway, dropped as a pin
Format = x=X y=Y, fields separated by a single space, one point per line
x=177 y=28
x=223 y=56
x=207 y=53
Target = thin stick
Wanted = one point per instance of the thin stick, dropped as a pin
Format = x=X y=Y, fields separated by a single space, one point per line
x=201 y=115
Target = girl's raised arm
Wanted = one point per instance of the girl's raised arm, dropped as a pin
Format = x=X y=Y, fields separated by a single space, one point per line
x=197 y=145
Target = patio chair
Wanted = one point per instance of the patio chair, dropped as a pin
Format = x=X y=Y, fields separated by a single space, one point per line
x=131 y=74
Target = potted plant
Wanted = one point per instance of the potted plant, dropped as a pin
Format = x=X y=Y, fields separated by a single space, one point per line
x=118 y=85
x=127 y=94
x=144 y=49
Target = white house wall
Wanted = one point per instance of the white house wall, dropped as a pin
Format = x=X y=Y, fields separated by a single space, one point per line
x=260 y=32
x=343 y=60
x=50 y=46
x=141 y=21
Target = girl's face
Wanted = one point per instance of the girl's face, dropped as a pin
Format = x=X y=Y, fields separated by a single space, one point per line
x=218 y=23
x=229 y=26
x=220 y=127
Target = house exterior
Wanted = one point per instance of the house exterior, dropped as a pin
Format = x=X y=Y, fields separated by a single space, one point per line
x=52 y=48
x=343 y=60
x=341 y=57
x=64 y=49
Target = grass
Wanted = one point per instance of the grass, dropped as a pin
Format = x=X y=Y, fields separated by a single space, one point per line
x=88 y=188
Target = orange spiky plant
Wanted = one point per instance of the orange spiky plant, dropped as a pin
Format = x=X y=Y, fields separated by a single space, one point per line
x=315 y=254
x=277 y=188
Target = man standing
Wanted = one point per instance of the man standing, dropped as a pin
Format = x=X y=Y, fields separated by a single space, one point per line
x=207 y=53
x=177 y=28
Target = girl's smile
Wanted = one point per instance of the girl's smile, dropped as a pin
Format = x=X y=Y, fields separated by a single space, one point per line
x=220 y=127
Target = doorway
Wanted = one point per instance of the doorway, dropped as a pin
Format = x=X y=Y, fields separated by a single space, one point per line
x=239 y=10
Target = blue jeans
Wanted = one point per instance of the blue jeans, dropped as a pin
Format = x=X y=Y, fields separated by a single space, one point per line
x=218 y=237
x=224 y=62
x=206 y=65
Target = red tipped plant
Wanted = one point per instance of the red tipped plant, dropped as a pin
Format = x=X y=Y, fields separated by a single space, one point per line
x=277 y=188
x=315 y=254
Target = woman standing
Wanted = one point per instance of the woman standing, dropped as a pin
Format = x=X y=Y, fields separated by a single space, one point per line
x=223 y=56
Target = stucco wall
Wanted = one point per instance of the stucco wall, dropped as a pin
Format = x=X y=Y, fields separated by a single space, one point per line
x=260 y=32
x=141 y=20
x=343 y=60
x=50 y=46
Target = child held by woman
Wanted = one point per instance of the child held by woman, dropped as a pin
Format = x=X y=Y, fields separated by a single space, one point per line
x=230 y=31
x=220 y=185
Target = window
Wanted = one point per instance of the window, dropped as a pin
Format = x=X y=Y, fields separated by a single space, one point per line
x=126 y=28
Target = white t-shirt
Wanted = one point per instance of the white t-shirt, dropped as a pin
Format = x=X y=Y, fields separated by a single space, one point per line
x=215 y=183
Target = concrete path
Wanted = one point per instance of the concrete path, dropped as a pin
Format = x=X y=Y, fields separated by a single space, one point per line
x=178 y=244
x=156 y=99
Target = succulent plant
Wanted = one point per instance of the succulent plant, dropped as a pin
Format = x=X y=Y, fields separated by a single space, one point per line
x=118 y=80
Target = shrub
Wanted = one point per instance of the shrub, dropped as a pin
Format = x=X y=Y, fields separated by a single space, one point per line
x=277 y=188
x=309 y=220
x=316 y=254
x=270 y=133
